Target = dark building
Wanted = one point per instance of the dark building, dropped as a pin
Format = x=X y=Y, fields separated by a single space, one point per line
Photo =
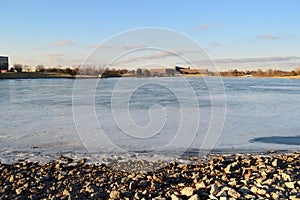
x=178 y=69
x=3 y=63
x=183 y=70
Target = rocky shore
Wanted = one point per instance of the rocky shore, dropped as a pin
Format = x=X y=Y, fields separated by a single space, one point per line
x=237 y=176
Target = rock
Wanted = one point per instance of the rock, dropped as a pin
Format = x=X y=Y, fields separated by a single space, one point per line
x=144 y=184
x=89 y=189
x=227 y=169
x=66 y=192
x=274 y=195
x=18 y=190
x=214 y=189
x=222 y=193
x=289 y=185
x=11 y=178
x=194 y=197
x=223 y=198
x=138 y=195
x=132 y=185
x=159 y=198
x=232 y=182
x=294 y=197
x=157 y=179
x=174 y=197
x=200 y=185
x=193 y=158
x=261 y=192
x=114 y=195
x=212 y=197
x=230 y=192
x=277 y=163
x=254 y=189
x=249 y=196
x=286 y=177
x=187 y=191
x=244 y=190
x=268 y=182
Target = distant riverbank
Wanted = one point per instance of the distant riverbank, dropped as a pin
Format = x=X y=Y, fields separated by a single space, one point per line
x=37 y=75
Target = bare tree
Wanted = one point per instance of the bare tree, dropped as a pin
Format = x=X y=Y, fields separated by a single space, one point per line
x=18 y=67
x=139 y=71
x=297 y=70
x=40 y=68
x=146 y=73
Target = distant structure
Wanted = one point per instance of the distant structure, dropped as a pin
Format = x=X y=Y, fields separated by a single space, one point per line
x=3 y=64
x=183 y=70
x=162 y=72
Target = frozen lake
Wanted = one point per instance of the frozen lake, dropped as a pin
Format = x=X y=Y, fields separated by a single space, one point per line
x=158 y=117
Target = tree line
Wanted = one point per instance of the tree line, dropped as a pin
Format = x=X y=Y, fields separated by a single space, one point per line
x=262 y=73
x=113 y=72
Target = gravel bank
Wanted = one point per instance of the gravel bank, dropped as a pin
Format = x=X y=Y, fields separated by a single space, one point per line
x=239 y=176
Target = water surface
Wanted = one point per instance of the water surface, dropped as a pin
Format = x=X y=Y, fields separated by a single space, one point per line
x=38 y=116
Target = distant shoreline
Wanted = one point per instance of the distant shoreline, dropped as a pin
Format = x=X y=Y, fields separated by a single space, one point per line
x=40 y=75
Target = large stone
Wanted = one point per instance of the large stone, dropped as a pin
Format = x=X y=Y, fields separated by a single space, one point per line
x=200 y=185
x=174 y=197
x=187 y=191
x=254 y=189
x=290 y=184
x=230 y=192
x=194 y=197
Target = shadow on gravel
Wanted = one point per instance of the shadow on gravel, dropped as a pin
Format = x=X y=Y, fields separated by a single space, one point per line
x=290 y=140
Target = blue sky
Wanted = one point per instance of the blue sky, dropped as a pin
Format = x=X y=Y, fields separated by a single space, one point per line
x=236 y=34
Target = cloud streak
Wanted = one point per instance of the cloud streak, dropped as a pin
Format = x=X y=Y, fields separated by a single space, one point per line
x=64 y=43
x=158 y=55
x=269 y=37
x=204 y=26
x=257 y=59
x=137 y=46
x=53 y=56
